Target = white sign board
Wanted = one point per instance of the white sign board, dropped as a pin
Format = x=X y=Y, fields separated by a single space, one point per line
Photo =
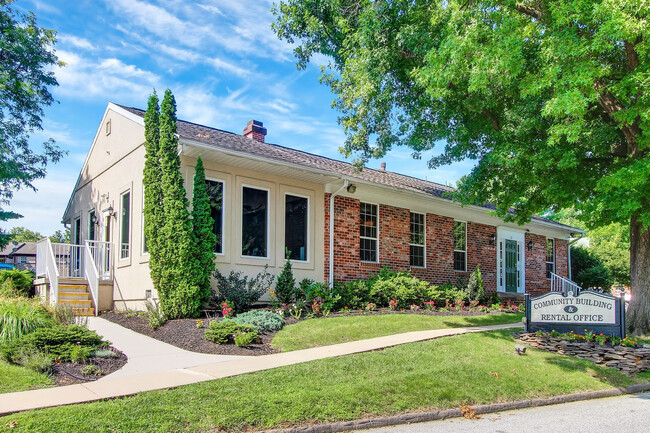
x=588 y=308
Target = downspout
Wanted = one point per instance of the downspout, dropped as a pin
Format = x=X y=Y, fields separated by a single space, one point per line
x=569 y=252
x=334 y=194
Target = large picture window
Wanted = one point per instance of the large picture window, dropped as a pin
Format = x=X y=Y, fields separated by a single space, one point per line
x=550 y=257
x=125 y=225
x=460 y=246
x=369 y=232
x=296 y=214
x=215 y=192
x=255 y=217
x=417 y=240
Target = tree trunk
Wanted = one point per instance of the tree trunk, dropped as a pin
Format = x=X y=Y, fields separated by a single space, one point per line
x=638 y=314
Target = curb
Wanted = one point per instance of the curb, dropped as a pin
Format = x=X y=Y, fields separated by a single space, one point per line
x=436 y=415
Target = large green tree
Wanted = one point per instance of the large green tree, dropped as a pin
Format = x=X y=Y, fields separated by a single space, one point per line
x=549 y=96
x=203 y=227
x=22 y=234
x=26 y=71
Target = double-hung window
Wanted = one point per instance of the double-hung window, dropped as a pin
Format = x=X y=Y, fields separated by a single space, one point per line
x=460 y=246
x=369 y=232
x=550 y=257
x=416 y=242
x=215 y=193
x=255 y=221
x=296 y=214
x=125 y=225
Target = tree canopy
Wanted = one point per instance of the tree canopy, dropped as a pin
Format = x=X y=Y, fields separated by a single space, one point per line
x=549 y=97
x=26 y=72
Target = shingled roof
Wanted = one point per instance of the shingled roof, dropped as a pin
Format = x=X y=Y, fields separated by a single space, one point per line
x=239 y=143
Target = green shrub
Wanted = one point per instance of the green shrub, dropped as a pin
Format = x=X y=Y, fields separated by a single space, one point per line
x=448 y=293
x=475 y=290
x=310 y=290
x=91 y=370
x=35 y=360
x=14 y=282
x=223 y=332
x=245 y=339
x=285 y=288
x=80 y=354
x=588 y=271
x=241 y=291
x=155 y=315
x=57 y=341
x=20 y=316
x=104 y=353
x=263 y=321
x=404 y=287
x=354 y=295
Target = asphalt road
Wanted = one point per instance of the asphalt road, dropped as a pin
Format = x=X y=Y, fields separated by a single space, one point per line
x=625 y=414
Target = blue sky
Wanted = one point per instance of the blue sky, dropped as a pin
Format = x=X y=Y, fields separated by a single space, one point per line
x=219 y=57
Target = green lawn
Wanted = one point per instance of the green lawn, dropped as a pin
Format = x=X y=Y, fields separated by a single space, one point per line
x=435 y=374
x=14 y=378
x=323 y=332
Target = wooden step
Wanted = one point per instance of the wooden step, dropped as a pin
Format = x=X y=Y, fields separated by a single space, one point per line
x=76 y=303
x=83 y=311
x=78 y=296
x=70 y=289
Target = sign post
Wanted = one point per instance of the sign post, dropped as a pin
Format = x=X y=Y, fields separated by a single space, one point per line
x=566 y=312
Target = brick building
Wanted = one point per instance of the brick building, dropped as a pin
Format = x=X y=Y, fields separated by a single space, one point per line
x=269 y=198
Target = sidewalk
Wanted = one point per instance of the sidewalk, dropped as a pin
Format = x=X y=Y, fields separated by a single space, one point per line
x=146 y=354
x=112 y=387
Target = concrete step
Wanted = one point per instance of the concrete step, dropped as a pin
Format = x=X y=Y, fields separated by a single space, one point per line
x=74 y=296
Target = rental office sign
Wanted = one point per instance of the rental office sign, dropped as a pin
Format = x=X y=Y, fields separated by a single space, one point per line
x=566 y=312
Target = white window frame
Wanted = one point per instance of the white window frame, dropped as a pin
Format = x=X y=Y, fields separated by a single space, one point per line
x=122 y=194
x=76 y=233
x=546 y=256
x=459 y=251
x=223 y=214
x=366 y=237
x=424 y=244
x=90 y=225
x=308 y=237
x=268 y=222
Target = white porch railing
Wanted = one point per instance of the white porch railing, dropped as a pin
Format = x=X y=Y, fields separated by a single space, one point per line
x=92 y=276
x=564 y=285
x=92 y=261
x=102 y=256
x=46 y=266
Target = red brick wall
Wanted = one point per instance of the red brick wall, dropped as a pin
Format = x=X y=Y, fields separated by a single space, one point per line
x=562 y=258
x=394 y=248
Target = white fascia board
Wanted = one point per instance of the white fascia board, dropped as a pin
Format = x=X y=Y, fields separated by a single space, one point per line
x=119 y=110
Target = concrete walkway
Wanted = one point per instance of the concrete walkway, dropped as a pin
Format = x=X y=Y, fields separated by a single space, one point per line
x=112 y=387
x=146 y=354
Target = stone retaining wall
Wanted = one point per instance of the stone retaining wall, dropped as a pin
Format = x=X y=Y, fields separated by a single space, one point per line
x=629 y=360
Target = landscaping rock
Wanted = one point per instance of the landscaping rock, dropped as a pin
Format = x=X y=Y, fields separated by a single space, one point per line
x=629 y=360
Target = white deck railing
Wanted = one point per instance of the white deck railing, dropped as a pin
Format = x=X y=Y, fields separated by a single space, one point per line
x=46 y=266
x=564 y=285
x=92 y=261
x=92 y=276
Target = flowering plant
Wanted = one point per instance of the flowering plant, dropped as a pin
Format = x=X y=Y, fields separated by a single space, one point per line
x=415 y=307
x=430 y=305
x=295 y=310
x=393 y=303
x=316 y=306
x=226 y=310
x=199 y=323
x=371 y=306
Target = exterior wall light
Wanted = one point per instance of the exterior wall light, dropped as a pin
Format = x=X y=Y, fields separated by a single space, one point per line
x=493 y=239
x=93 y=219
x=530 y=245
x=110 y=211
x=352 y=188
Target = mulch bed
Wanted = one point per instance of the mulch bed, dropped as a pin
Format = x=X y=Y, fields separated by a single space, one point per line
x=184 y=334
x=69 y=373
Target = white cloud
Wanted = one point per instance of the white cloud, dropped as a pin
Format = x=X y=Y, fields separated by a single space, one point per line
x=75 y=42
x=117 y=67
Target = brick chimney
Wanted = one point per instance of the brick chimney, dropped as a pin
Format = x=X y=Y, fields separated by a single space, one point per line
x=255 y=130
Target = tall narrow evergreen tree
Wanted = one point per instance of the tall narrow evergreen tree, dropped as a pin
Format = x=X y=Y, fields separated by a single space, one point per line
x=203 y=224
x=179 y=295
x=153 y=211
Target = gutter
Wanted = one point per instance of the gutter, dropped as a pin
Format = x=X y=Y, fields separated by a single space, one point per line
x=331 y=267
x=569 y=251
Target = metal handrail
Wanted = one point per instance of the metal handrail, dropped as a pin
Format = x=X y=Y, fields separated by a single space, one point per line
x=101 y=253
x=564 y=285
x=92 y=276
